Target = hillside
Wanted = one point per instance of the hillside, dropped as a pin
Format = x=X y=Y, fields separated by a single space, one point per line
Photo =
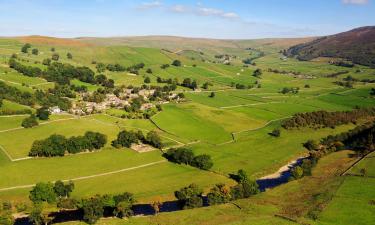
x=357 y=45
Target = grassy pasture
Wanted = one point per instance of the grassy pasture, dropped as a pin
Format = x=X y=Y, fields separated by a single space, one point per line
x=13 y=106
x=351 y=203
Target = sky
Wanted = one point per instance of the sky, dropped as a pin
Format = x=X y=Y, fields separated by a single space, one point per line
x=222 y=19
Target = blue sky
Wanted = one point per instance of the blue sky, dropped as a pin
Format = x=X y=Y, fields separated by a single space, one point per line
x=234 y=19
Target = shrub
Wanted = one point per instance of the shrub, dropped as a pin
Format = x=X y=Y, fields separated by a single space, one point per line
x=30 y=122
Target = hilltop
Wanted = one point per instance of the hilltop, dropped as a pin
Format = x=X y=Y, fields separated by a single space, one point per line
x=357 y=45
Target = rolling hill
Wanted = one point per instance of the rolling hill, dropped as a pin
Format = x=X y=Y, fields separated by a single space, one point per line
x=357 y=45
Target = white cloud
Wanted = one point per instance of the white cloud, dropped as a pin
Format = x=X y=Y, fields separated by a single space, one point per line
x=179 y=9
x=150 y=5
x=355 y=2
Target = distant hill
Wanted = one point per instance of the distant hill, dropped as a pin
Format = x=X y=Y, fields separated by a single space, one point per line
x=357 y=45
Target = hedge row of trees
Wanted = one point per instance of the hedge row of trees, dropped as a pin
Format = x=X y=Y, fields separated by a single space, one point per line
x=40 y=97
x=320 y=119
x=186 y=156
x=58 y=145
x=127 y=138
x=62 y=73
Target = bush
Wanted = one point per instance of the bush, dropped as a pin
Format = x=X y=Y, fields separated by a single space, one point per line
x=202 y=162
x=30 y=122
x=43 y=113
x=176 y=63
x=275 y=133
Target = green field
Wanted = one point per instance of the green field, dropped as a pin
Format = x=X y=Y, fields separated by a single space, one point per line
x=232 y=127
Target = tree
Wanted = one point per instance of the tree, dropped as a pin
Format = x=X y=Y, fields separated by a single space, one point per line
x=311 y=145
x=25 y=47
x=190 y=197
x=35 y=215
x=92 y=209
x=30 y=121
x=43 y=192
x=53 y=49
x=46 y=62
x=43 y=113
x=125 y=139
x=123 y=204
x=276 y=133
x=176 y=63
x=296 y=173
x=180 y=155
x=219 y=194
x=202 y=162
x=153 y=139
x=35 y=51
x=257 y=73
x=55 y=57
x=244 y=189
x=212 y=95
x=63 y=190
x=147 y=80
x=69 y=55
x=149 y=70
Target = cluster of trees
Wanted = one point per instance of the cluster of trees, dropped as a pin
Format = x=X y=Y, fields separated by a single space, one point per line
x=320 y=119
x=342 y=63
x=58 y=145
x=49 y=192
x=186 y=156
x=62 y=73
x=293 y=90
x=118 y=205
x=101 y=67
x=336 y=74
x=25 y=47
x=305 y=168
x=26 y=98
x=92 y=208
x=192 y=196
x=127 y=138
x=6 y=217
x=347 y=84
x=192 y=84
x=64 y=90
x=360 y=139
x=25 y=70
x=187 y=82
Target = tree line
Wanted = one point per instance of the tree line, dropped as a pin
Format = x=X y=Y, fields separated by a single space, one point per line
x=62 y=73
x=321 y=119
x=186 y=156
x=58 y=145
x=360 y=139
x=40 y=97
